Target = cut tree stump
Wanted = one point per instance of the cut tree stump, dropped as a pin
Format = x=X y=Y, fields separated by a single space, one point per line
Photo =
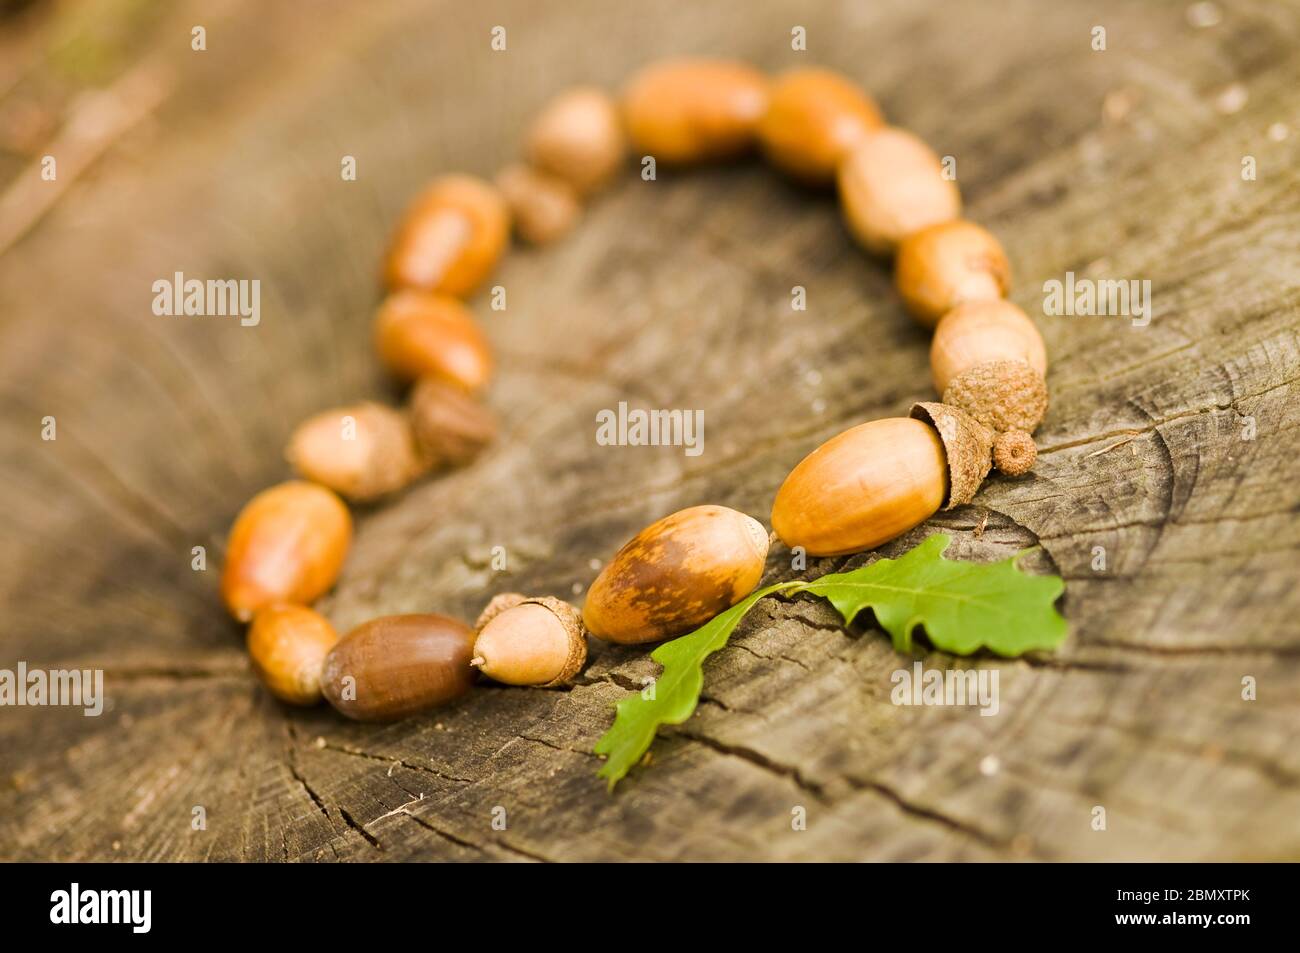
x=1167 y=491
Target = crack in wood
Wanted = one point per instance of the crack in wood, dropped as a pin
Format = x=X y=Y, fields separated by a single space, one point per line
x=389 y=760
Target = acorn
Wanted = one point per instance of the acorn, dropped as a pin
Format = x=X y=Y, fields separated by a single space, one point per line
x=891 y=186
x=362 y=452
x=977 y=332
x=529 y=641
x=420 y=334
x=543 y=208
x=287 y=545
x=876 y=481
x=450 y=237
x=947 y=264
x=287 y=645
x=676 y=574
x=694 y=110
x=578 y=137
x=814 y=118
x=398 y=665
x=451 y=427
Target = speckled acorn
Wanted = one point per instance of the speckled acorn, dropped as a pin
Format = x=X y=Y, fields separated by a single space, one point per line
x=676 y=574
x=530 y=641
x=287 y=545
x=287 y=646
x=450 y=237
x=398 y=665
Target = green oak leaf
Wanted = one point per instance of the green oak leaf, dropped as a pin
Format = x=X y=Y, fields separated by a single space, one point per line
x=964 y=606
x=676 y=691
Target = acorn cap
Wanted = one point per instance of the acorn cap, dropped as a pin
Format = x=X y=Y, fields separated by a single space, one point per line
x=499 y=604
x=569 y=617
x=1002 y=395
x=572 y=620
x=967 y=443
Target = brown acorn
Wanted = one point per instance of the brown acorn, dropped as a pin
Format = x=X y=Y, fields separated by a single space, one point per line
x=676 y=574
x=543 y=208
x=946 y=264
x=398 y=665
x=892 y=185
x=451 y=427
x=578 y=137
x=530 y=641
x=814 y=118
x=1014 y=452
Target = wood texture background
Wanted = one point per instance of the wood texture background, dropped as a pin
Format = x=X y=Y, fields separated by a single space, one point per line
x=1117 y=164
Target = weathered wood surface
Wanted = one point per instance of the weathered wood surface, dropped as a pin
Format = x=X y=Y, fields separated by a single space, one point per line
x=1117 y=164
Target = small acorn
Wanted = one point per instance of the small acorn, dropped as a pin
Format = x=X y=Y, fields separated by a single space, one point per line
x=892 y=185
x=529 y=641
x=362 y=451
x=814 y=118
x=451 y=427
x=1014 y=452
x=450 y=237
x=398 y=665
x=686 y=111
x=543 y=208
x=946 y=264
x=578 y=137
